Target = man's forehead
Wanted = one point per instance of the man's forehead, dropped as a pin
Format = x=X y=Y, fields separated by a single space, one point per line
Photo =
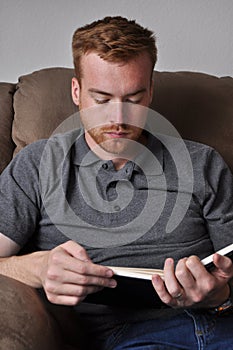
x=97 y=70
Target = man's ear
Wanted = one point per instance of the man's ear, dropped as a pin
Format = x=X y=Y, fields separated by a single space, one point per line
x=75 y=90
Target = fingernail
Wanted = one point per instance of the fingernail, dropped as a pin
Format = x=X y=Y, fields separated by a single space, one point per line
x=112 y=283
x=155 y=278
x=109 y=273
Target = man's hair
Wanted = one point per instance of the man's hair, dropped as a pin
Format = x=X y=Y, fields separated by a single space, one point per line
x=114 y=39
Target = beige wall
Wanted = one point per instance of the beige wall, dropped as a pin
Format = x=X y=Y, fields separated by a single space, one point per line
x=192 y=34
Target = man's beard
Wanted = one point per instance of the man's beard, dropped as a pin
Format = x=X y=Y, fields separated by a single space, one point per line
x=119 y=139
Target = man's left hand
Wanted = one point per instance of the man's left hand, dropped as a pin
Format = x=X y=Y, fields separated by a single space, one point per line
x=189 y=284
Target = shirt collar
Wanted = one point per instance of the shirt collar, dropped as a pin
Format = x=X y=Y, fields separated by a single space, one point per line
x=83 y=155
x=150 y=160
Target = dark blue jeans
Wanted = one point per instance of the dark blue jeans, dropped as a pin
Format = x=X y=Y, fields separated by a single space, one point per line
x=190 y=330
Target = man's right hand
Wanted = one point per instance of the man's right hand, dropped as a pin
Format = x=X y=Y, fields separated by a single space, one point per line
x=68 y=275
x=66 y=272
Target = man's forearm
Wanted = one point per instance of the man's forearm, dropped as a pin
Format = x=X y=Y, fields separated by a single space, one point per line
x=25 y=268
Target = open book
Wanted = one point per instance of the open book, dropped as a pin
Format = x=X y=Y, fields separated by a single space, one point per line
x=134 y=287
x=147 y=273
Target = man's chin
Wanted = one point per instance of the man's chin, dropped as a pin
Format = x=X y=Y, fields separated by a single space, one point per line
x=120 y=148
x=115 y=151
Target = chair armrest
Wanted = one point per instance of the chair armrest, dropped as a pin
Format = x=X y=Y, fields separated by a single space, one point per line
x=24 y=321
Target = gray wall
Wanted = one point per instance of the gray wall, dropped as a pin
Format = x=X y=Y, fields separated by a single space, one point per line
x=191 y=34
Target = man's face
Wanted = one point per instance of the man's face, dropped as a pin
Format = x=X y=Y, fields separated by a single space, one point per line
x=110 y=100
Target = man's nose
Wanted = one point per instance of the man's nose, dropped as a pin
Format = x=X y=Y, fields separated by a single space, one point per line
x=117 y=113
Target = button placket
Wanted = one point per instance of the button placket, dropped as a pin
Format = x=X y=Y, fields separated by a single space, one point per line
x=107 y=177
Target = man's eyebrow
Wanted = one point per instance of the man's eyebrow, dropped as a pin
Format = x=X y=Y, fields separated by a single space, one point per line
x=108 y=94
x=96 y=91
x=137 y=92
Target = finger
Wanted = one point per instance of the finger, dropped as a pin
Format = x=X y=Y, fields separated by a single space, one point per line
x=71 y=289
x=76 y=250
x=203 y=282
x=88 y=280
x=71 y=296
x=64 y=299
x=161 y=290
x=59 y=258
x=71 y=293
x=224 y=265
x=184 y=275
x=196 y=268
x=56 y=275
x=173 y=286
x=70 y=299
x=89 y=269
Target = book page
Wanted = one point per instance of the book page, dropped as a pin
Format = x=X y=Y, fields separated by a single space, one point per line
x=136 y=272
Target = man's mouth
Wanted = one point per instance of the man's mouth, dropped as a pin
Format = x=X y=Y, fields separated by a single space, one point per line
x=117 y=134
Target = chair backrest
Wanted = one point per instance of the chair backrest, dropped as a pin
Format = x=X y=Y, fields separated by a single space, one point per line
x=200 y=106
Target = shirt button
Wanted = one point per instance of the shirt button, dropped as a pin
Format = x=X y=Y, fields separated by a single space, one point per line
x=117 y=208
x=105 y=166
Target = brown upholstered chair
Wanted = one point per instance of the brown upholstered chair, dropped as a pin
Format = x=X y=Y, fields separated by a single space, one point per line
x=200 y=106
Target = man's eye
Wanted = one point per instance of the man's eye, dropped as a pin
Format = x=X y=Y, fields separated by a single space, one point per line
x=133 y=101
x=101 y=101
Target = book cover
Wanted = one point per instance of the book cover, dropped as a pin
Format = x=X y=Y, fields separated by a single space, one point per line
x=134 y=286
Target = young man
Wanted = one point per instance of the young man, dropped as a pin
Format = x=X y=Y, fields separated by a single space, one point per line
x=114 y=60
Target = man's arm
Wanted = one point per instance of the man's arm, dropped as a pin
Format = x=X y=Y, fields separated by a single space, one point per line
x=66 y=273
x=189 y=284
x=21 y=268
x=7 y=246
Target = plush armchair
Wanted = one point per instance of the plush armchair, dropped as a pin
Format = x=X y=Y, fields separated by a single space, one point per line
x=200 y=107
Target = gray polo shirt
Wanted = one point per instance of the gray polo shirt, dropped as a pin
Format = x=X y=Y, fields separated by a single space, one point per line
x=173 y=200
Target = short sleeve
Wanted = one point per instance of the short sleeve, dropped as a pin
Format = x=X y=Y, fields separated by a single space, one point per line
x=20 y=195
x=218 y=203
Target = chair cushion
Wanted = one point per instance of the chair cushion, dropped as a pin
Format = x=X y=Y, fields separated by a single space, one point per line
x=6 y=117
x=200 y=106
x=42 y=101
